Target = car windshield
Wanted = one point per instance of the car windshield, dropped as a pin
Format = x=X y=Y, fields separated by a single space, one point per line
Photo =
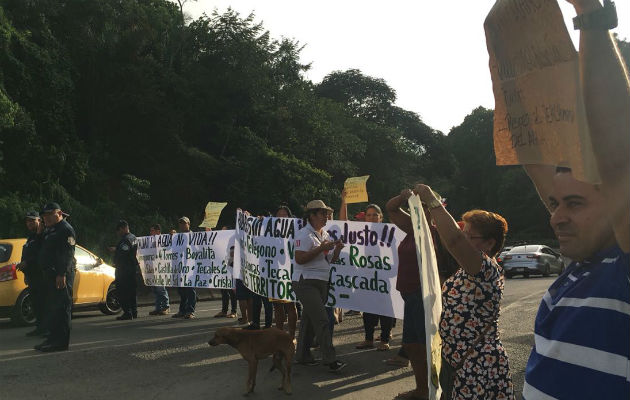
x=5 y=252
x=525 y=249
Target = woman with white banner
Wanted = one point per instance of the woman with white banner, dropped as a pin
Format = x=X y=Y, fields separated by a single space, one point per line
x=474 y=362
x=310 y=283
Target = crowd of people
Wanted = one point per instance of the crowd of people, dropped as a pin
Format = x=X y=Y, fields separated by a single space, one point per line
x=582 y=328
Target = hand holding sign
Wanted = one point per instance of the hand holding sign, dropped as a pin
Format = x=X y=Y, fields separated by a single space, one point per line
x=212 y=214
x=356 y=190
x=539 y=115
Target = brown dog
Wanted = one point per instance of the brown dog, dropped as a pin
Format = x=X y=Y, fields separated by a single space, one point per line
x=255 y=345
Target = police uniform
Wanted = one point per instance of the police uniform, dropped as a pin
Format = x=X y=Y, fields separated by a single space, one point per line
x=34 y=277
x=126 y=265
x=57 y=259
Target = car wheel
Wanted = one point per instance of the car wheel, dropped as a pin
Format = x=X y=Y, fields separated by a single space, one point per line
x=526 y=275
x=111 y=305
x=23 y=312
x=547 y=270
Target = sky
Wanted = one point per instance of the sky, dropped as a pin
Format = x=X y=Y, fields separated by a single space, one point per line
x=433 y=53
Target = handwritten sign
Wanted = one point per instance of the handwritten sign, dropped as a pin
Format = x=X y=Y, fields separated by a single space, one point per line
x=363 y=278
x=539 y=115
x=212 y=214
x=356 y=190
x=191 y=259
x=431 y=293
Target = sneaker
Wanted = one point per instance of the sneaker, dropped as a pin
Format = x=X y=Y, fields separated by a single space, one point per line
x=189 y=316
x=164 y=311
x=220 y=315
x=124 y=317
x=231 y=315
x=252 y=327
x=366 y=344
x=155 y=312
x=178 y=315
x=336 y=366
x=383 y=346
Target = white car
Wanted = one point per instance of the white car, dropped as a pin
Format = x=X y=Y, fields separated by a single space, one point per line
x=532 y=259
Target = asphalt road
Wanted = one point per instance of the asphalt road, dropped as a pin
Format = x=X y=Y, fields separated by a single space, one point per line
x=165 y=358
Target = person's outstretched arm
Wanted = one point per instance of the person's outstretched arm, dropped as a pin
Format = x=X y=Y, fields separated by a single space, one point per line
x=606 y=88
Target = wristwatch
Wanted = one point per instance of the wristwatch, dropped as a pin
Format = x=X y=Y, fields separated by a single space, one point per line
x=602 y=19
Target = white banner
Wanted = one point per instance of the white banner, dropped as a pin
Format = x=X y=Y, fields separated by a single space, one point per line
x=363 y=278
x=431 y=293
x=192 y=259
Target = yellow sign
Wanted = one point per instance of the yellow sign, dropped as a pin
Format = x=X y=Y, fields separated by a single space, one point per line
x=212 y=214
x=539 y=115
x=356 y=190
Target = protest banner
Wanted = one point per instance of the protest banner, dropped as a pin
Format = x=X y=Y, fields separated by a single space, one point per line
x=431 y=293
x=356 y=189
x=539 y=115
x=363 y=278
x=212 y=214
x=264 y=254
x=191 y=259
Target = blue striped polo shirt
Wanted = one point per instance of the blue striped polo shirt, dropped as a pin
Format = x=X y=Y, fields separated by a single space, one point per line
x=582 y=333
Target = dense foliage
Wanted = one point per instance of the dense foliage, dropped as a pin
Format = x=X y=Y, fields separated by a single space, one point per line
x=117 y=109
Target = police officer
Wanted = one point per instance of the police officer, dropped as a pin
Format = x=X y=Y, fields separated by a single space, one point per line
x=33 y=275
x=57 y=261
x=126 y=265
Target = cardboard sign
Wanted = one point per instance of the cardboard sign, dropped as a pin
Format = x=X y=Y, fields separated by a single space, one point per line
x=356 y=190
x=539 y=115
x=212 y=214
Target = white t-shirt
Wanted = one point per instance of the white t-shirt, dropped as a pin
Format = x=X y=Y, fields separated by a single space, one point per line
x=318 y=268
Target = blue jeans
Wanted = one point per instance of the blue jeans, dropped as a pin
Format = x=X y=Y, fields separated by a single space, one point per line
x=161 y=298
x=187 y=300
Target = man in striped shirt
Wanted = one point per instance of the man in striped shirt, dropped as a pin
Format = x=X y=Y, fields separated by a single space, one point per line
x=582 y=329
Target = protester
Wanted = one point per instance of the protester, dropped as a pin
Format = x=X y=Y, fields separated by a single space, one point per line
x=310 y=283
x=473 y=357
x=408 y=284
x=33 y=274
x=228 y=296
x=581 y=346
x=162 y=306
x=372 y=213
x=285 y=309
x=57 y=260
x=187 y=295
x=126 y=265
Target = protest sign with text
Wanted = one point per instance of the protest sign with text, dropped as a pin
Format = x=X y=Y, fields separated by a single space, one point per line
x=363 y=278
x=191 y=259
x=212 y=214
x=539 y=115
x=356 y=189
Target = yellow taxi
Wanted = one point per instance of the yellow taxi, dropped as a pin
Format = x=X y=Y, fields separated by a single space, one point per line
x=93 y=283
